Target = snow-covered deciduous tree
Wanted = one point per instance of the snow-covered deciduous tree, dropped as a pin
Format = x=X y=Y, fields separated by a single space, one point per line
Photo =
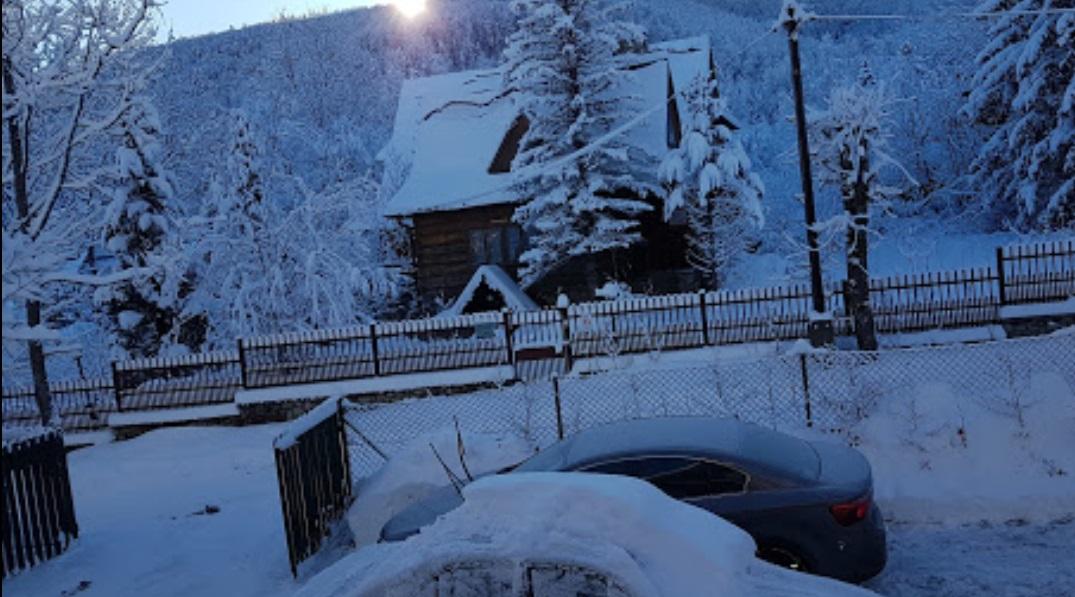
x=1024 y=91
x=70 y=72
x=851 y=148
x=269 y=265
x=708 y=178
x=562 y=70
x=138 y=226
x=235 y=244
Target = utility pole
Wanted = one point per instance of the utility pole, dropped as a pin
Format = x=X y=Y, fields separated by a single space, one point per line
x=821 y=330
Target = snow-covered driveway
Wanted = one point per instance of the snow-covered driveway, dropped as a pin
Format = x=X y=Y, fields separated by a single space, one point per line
x=141 y=534
x=1012 y=558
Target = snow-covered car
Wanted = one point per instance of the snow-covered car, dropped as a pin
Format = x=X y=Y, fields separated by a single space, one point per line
x=554 y=534
x=808 y=505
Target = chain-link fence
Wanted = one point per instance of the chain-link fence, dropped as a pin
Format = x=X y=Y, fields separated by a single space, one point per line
x=829 y=391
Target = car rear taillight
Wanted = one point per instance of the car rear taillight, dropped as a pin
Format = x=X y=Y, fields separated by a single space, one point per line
x=849 y=513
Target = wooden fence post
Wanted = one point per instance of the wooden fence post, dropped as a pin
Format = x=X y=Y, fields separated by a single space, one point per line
x=116 y=387
x=565 y=333
x=374 y=351
x=705 y=317
x=508 y=345
x=242 y=362
x=1002 y=294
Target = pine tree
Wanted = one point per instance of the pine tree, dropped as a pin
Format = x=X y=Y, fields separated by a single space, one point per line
x=851 y=148
x=709 y=178
x=138 y=226
x=562 y=69
x=1024 y=91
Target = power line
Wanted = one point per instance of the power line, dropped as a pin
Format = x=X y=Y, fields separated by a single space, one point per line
x=940 y=17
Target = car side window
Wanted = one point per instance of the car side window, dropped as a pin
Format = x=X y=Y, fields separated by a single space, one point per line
x=702 y=478
x=679 y=477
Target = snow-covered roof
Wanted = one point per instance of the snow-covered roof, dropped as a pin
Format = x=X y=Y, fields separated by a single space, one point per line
x=497 y=280
x=448 y=128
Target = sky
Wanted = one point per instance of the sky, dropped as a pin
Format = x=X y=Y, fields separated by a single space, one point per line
x=197 y=17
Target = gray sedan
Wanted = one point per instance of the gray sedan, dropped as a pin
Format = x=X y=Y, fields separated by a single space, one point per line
x=808 y=505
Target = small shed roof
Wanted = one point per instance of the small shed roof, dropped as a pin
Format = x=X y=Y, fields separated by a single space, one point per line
x=497 y=280
x=449 y=127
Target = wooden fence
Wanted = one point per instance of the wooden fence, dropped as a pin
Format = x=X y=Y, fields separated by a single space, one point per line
x=39 y=515
x=314 y=472
x=541 y=343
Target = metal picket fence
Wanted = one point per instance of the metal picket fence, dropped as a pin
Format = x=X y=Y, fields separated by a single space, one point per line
x=80 y=405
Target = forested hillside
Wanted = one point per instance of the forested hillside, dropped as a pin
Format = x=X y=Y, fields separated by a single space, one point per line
x=321 y=92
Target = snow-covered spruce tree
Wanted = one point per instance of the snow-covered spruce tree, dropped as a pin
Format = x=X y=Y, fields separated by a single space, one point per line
x=851 y=148
x=137 y=226
x=1024 y=90
x=708 y=177
x=236 y=244
x=561 y=66
x=70 y=73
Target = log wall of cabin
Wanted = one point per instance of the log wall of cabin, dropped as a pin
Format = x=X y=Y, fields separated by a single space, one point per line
x=441 y=247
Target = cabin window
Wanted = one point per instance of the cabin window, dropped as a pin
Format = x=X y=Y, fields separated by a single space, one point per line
x=500 y=245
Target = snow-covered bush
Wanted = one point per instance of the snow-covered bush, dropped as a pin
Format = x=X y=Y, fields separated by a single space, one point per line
x=1024 y=92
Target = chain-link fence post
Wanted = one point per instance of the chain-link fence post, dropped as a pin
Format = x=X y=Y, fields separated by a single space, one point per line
x=806 y=390
x=559 y=410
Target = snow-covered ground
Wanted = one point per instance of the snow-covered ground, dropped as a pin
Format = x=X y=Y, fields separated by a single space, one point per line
x=1013 y=558
x=138 y=502
x=144 y=523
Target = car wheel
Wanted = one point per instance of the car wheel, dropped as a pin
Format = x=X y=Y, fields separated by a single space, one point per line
x=783 y=557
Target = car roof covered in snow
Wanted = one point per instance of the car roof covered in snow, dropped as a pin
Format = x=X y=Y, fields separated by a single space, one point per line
x=449 y=127
x=720 y=439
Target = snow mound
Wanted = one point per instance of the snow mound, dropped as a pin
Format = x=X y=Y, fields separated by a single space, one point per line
x=644 y=541
x=414 y=472
x=939 y=455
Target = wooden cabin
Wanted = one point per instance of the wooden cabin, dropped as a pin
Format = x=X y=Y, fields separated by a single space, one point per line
x=454 y=140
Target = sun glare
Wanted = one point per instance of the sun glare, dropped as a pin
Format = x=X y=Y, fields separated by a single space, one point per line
x=410 y=8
